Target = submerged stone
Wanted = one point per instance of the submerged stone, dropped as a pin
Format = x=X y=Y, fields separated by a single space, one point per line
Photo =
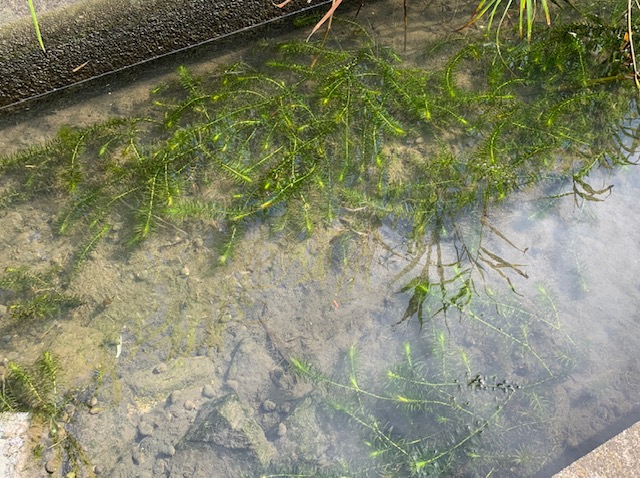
x=177 y=375
x=305 y=433
x=228 y=424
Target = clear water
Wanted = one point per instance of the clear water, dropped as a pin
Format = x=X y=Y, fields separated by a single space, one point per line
x=537 y=363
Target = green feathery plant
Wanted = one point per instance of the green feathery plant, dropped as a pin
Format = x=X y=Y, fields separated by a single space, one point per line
x=34 y=295
x=37 y=390
x=34 y=391
x=446 y=406
x=441 y=290
x=529 y=10
x=309 y=136
x=435 y=414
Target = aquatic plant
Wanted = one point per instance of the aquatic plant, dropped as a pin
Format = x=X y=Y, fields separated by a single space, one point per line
x=309 y=137
x=308 y=134
x=529 y=9
x=440 y=291
x=434 y=414
x=34 y=390
x=34 y=295
x=512 y=152
x=37 y=390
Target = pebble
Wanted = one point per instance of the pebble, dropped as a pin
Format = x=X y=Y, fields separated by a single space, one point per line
x=189 y=405
x=198 y=242
x=106 y=302
x=56 y=261
x=233 y=385
x=98 y=470
x=50 y=466
x=615 y=408
x=159 y=468
x=185 y=271
x=137 y=457
x=160 y=368
x=174 y=397
x=94 y=410
x=268 y=406
x=208 y=391
x=92 y=402
x=141 y=276
x=168 y=450
x=282 y=429
x=61 y=433
x=16 y=218
x=276 y=375
x=145 y=429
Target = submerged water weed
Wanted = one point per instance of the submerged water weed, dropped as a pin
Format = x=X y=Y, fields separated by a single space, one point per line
x=315 y=133
x=548 y=117
x=37 y=390
x=454 y=417
x=34 y=295
x=446 y=283
x=34 y=390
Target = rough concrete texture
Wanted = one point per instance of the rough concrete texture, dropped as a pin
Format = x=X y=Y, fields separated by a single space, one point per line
x=94 y=37
x=13 y=10
x=13 y=450
x=616 y=458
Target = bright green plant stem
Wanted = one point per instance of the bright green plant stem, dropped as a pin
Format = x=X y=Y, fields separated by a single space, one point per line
x=36 y=25
x=526 y=12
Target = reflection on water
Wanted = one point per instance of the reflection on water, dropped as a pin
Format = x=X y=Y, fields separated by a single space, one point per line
x=525 y=345
x=495 y=343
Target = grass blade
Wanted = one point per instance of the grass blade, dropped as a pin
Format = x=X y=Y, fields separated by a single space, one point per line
x=36 y=25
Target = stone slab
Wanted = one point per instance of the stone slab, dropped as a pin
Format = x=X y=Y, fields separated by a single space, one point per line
x=13 y=442
x=617 y=458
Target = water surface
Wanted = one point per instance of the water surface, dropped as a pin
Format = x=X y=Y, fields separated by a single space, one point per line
x=500 y=342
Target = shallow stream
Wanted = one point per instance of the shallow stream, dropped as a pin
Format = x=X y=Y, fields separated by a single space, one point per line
x=504 y=343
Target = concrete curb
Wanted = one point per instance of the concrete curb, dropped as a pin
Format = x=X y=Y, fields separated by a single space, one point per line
x=92 y=38
x=618 y=457
x=13 y=450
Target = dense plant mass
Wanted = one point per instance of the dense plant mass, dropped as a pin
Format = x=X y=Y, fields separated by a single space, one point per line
x=318 y=132
x=304 y=134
